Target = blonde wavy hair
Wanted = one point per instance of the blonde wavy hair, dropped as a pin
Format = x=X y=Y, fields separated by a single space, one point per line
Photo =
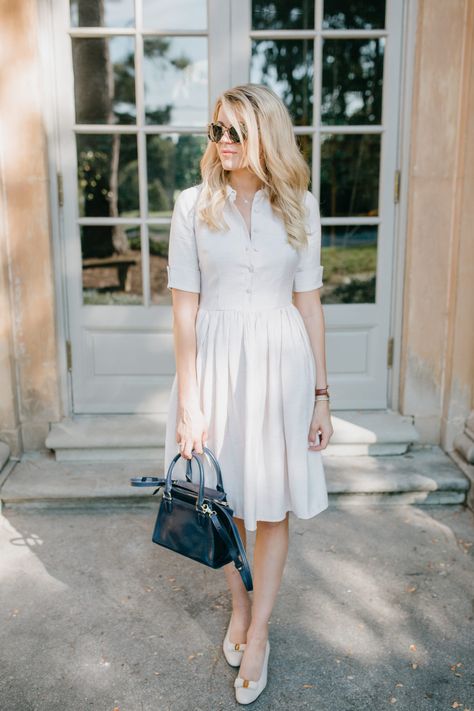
x=270 y=151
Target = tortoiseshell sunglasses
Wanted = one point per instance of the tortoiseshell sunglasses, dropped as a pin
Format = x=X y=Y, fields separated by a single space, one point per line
x=215 y=131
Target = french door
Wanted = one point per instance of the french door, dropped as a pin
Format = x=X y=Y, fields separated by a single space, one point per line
x=135 y=83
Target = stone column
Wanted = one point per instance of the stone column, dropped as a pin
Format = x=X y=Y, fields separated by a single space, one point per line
x=438 y=334
x=29 y=383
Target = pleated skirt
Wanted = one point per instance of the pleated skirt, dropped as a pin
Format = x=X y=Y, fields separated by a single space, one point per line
x=256 y=376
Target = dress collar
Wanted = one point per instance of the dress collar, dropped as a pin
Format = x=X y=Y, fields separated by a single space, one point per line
x=230 y=190
x=231 y=193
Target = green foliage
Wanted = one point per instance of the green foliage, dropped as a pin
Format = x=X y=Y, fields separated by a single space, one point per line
x=357 y=291
x=124 y=89
x=352 y=81
x=158 y=248
x=106 y=298
x=348 y=260
x=353 y=263
x=94 y=166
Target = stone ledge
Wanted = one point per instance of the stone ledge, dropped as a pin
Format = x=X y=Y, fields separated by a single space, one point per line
x=104 y=431
x=132 y=437
x=427 y=475
x=464 y=444
x=468 y=471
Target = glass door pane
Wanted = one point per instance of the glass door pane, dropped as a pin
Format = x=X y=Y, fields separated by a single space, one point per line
x=353 y=15
x=107 y=13
x=352 y=81
x=286 y=66
x=175 y=14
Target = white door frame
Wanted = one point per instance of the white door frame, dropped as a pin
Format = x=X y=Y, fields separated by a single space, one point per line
x=407 y=68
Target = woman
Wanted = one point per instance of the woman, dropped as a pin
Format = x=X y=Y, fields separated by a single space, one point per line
x=248 y=359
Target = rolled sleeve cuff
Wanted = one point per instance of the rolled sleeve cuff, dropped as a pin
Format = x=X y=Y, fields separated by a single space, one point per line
x=308 y=279
x=184 y=278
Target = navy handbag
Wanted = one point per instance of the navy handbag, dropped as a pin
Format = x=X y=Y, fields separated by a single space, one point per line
x=196 y=520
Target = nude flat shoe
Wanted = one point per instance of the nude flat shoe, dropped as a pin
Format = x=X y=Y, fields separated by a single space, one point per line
x=247 y=690
x=233 y=651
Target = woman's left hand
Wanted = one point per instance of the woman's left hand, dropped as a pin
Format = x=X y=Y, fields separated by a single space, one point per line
x=320 y=424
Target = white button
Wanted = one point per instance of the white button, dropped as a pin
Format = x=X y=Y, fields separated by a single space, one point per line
x=250 y=267
x=249 y=291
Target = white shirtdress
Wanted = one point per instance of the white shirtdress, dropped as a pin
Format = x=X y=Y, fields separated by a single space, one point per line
x=255 y=367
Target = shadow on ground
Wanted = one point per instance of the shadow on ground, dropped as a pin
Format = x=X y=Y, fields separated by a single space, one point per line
x=375 y=611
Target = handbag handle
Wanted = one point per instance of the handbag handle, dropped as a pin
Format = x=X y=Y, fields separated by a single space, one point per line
x=160 y=481
x=217 y=467
x=168 y=484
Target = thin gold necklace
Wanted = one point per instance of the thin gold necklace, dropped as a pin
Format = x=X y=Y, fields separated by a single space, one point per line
x=246 y=200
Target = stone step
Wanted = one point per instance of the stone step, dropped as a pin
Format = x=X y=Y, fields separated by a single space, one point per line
x=132 y=437
x=425 y=475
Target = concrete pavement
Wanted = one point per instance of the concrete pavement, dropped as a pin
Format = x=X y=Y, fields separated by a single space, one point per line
x=375 y=611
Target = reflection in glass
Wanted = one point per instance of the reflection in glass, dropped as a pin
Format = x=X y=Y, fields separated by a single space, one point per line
x=173 y=165
x=107 y=175
x=104 y=79
x=111 y=264
x=349 y=256
x=102 y=13
x=159 y=241
x=283 y=15
x=176 y=80
x=286 y=66
x=352 y=81
x=175 y=14
x=350 y=175
x=354 y=15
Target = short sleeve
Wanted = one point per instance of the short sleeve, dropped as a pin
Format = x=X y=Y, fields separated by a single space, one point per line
x=183 y=264
x=309 y=272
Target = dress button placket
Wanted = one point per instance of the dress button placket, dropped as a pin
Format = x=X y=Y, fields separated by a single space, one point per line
x=250 y=236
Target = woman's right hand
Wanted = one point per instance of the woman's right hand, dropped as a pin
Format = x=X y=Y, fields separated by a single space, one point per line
x=191 y=430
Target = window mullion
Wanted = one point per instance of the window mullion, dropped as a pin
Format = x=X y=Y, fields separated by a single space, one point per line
x=317 y=90
x=142 y=152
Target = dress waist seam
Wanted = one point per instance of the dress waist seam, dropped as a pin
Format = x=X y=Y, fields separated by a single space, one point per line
x=243 y=310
